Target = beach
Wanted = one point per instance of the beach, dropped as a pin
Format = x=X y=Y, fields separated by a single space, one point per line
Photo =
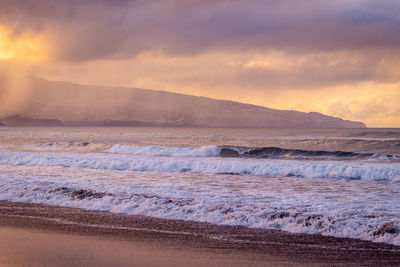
x=41 y=234
x=199 y=197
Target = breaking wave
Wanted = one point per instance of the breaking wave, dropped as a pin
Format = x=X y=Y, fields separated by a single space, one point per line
x=356 y=213
x=202 y=151
x=244 y=152
x=254 y=167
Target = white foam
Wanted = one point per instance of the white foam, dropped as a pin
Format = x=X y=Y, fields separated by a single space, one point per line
x=342 y=208
x=202 y=151
x=210 y=165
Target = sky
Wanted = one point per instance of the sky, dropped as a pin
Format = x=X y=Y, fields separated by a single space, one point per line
x=340 y=58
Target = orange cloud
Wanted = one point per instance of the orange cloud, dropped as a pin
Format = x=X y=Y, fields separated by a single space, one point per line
x=24 y=47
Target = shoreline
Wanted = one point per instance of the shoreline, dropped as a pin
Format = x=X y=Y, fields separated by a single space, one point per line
x=264 y=246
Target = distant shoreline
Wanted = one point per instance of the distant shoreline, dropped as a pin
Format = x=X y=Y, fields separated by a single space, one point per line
x=18 y=121
x=200 y=127
x=262 y=244
x=179 y=126
x=21 y=121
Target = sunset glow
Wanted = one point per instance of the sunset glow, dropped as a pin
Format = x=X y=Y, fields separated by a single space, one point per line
x=200 y=133
x=20 y=48
x=345 y=65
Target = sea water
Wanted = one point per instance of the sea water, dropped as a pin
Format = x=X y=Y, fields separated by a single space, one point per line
x=334 y=182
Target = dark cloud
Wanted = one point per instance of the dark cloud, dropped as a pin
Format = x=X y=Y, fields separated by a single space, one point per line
x=99 y=29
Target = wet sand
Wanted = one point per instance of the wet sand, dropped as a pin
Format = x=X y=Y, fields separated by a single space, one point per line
x=47 y=235
x=19 y=246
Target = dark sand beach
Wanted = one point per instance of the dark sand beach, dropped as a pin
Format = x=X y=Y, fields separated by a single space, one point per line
x=57 y=236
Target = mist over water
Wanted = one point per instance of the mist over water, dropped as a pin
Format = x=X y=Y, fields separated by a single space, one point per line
x=15 y=90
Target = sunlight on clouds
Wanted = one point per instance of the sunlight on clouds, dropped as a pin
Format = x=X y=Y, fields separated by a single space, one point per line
x=257 y=64
x=21 y=48
x=272 y=60
x=375 y=104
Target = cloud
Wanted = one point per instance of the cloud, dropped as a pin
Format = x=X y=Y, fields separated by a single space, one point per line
x=92 y=30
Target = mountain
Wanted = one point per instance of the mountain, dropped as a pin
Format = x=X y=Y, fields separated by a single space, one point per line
x=56 y=103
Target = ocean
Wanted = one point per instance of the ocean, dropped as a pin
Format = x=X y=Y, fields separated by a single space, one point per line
x=333 y=182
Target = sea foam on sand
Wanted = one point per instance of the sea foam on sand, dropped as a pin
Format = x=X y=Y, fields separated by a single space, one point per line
x=355 y=199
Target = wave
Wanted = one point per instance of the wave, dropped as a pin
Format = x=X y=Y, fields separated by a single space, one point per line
x=244 y=152
x=277 y=152
x=353 y=212
x=373 y=171
x=202 y=151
